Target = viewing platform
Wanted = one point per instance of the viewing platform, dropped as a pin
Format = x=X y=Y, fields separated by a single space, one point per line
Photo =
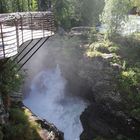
x=17 y=28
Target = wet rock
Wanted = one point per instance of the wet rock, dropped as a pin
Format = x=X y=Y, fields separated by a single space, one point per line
x=100 y=119
x=51 y=128
x=48 y=130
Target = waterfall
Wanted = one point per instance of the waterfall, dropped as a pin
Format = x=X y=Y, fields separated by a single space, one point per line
x=47 y=99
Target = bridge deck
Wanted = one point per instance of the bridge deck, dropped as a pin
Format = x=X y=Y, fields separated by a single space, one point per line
x=17 y=28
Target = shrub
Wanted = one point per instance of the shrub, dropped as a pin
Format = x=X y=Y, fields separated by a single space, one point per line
x=17 y=116
x=19 y=127
x=130 y=78
x=10 y=78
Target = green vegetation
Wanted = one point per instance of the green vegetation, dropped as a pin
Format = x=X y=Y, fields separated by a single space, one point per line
x=124 y=54
x=135 y=3
x=62 y=12
x=19 y=127
x=71 y=13
x=68 y=13
x=18 y=5
x=115 y=12
x=129 y=82
x=89 y=11
x=10 y=81
x=10 y=78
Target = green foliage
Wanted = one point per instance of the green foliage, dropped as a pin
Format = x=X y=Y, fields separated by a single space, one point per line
x=135 y=3
x=17 y=116
x=71 y=13
x=68 y=13
x=127 y=52
x=4 y=6
x=19 y=127
x=90 y=11
x=114 y=13
x=92 y=36
x=130 y=78
x=98 y=49
x=18 y=5
x=10 y=78
x=34 y=5
x=87 y=11
x=62 y=12
x=93 y=53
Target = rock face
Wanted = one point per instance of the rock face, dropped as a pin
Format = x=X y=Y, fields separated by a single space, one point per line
x=102 y=120
x=104 y=116
x=100 y=77
x=48 y=131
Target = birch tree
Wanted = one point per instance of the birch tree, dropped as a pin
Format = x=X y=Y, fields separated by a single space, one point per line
x=115 y=12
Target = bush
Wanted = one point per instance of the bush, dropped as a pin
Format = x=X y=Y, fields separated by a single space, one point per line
x=17 y=132
x=130 y=78
x=10 y=78
x=19 y=127
x=17 y=116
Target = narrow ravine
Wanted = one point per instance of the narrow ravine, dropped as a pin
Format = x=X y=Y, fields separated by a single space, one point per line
x=47 y=99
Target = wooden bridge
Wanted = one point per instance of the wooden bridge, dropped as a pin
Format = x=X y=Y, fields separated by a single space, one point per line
x=17 y=28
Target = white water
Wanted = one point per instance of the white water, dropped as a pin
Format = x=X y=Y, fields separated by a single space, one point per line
x=47 y=99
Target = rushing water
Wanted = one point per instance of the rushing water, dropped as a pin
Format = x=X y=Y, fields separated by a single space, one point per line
x=47 y=99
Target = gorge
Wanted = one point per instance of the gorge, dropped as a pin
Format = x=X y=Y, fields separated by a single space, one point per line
x=76 y=93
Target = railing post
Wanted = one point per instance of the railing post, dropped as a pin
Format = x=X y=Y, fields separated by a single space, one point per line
x=31 y=26
x=21 y=24
x=49 y=23
x=43 y=25
x=17 y=35
x=2 y=39
x=51 y=19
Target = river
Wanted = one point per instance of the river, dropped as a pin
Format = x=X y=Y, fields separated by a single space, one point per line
x=48 y=100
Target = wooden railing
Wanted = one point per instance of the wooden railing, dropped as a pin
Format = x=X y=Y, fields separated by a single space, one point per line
x=17 y=28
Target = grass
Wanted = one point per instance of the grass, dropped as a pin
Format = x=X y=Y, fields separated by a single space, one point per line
x=19 y=127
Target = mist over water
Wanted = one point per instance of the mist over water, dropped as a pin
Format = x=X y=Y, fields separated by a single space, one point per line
x=47 y=99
